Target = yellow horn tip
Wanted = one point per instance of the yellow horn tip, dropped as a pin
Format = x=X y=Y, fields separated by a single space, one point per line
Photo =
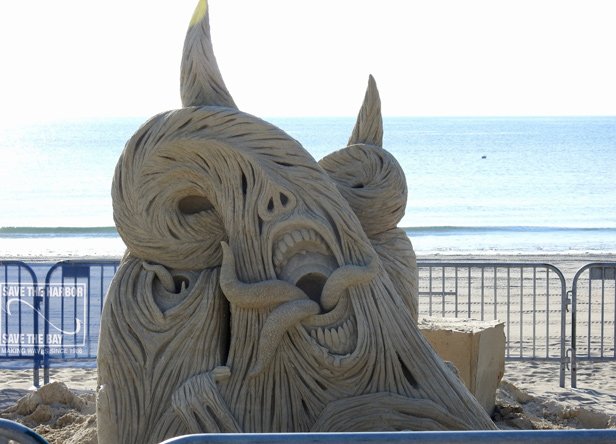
x=200 y=12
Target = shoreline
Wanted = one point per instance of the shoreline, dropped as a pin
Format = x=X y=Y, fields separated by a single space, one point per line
x=501 y=256
x=481 y=242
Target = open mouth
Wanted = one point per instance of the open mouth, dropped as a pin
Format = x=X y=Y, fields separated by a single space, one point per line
x=311 y=288
x=303 y=258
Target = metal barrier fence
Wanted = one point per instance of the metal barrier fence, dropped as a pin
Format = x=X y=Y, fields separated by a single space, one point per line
x=520 y=294
x=74 y=317
x=20 y=304
x=593 y=315
x=529 y=297
x=61 y=320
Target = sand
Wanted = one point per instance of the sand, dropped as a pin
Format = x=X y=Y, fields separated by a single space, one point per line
x=59 y=413
x=529 y=396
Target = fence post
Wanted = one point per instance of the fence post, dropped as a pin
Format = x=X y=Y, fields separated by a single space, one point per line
x=21 y=270
x=37 y=348
x=46 y=329
x=597 y=271
x=574 y=331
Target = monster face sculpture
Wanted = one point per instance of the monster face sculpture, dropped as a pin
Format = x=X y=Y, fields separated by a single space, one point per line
x=263 y=291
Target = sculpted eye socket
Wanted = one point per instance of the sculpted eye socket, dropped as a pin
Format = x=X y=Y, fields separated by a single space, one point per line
x=195 y=204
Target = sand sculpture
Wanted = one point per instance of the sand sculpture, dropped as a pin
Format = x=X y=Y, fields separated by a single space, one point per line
x=263 y=291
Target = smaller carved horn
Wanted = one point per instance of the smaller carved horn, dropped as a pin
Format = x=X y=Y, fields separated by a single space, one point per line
x=369 y=126
x=201 y=83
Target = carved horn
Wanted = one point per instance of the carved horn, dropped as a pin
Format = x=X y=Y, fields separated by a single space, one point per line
x=369 y=126
x=200 y=81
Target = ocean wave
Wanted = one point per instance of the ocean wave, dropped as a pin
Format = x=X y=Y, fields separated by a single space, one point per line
x=58 y=231
x=29 y=242
x=416 y=231
x=469 y=230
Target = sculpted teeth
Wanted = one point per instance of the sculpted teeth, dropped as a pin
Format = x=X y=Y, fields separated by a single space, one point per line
x=335 y=339
x=303 y=250
x=320 y=336
x=338 y=340
x=288 y=239
x=278 y=257
x=328 y=337
x=291 y=239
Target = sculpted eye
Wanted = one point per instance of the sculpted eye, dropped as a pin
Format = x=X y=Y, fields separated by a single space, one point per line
x=195 y=204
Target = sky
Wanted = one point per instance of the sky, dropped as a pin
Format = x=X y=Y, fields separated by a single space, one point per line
x=80 y=58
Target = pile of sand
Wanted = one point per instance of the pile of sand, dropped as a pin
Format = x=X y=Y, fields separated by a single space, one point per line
x=524 y=410
x=528 y=398
x=68 y=416
x=57 y=413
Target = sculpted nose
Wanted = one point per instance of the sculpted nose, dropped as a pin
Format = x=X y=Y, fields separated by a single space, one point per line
x=276 y=204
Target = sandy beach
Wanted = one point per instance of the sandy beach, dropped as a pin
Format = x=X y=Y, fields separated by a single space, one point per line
x=529 y=396
x=569 y=264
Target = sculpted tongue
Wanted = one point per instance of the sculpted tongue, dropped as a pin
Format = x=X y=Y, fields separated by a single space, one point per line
x=257 y=295
x=346 y=277
x=291 y=313
x=292 y=304
x=276 y=325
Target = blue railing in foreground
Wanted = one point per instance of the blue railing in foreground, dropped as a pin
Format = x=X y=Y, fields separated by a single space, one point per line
x=500 y=436
x=11 y=431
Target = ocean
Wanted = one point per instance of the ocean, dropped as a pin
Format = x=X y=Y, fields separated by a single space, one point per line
x=477 y=185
